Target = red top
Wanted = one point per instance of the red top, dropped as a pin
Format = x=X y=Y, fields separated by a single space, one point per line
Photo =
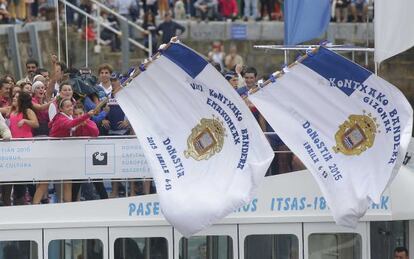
x=89 y=34
x=228 y=8
x=42 y=116
x=61 y=125
x=89 y=129
x=24 y=131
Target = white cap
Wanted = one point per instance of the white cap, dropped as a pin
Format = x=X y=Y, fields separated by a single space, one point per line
x=36 y=84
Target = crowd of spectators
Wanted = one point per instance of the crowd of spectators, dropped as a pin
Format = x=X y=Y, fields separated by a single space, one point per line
x=62 y=102
x=53 y=102
x=159 y=17
x=153 y=15
x=23 y=11
x=231 y=10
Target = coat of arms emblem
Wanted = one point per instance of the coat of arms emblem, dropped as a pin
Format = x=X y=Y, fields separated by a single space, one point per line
x=206 y=139
x=355 y=135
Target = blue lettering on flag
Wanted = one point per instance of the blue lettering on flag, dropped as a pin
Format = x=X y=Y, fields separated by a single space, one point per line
x=185 y=58
x=175 y=158
x=341 y=72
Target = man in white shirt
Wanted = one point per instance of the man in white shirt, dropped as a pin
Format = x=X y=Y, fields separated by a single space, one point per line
x=31 y=67
x=105 y=71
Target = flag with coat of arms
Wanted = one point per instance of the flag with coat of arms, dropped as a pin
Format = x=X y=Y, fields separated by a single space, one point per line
x=206 y=151
x=349 y=127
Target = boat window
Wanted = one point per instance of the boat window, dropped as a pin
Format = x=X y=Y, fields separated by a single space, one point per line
x=386 y=236
x=335 y=245
x=18 y=249
x=141 y=248
x=76 y=249
x=206 y=247
x=271 y=246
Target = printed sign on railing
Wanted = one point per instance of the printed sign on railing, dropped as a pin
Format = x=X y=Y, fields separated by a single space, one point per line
x=57 y=159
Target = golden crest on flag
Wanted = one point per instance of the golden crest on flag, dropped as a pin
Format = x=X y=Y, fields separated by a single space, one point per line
x=356 y=134
x=206 y=139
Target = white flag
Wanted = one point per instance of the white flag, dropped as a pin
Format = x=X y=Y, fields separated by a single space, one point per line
x=394 y=28
x=349 y=127
x=206 y=151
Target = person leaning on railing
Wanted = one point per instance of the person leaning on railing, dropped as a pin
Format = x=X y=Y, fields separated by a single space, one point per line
x=88 y=128
x=22 y=120
x=41 y=107
x=61 y=126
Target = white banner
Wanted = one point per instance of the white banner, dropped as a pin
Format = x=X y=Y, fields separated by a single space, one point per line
x=206 y=151
x=394 y=30
x=61 y=159
x=349 y=127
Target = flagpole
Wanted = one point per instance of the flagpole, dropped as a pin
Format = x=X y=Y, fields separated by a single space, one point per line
x=100 y=105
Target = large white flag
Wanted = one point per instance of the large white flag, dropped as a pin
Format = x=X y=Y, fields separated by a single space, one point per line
x=394 y=28
x=349 y=127
x=206 y=151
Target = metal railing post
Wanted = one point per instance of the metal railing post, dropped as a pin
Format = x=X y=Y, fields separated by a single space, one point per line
x=150 y=50
x=34 y=43
x=58 y=27
x=131 y=24
x=125 y=45
x=66 y=35
x=86 y=42
x=149 y=45
x=123 y=20
x=98 y=26
x=14 y=50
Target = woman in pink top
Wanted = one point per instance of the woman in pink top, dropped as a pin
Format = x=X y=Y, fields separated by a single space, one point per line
x=22 y=117
x=60 y=126
x=41 y=106
x=22 y=121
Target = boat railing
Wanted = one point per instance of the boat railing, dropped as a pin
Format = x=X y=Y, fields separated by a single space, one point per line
x=64 y=160
x=337 y=48
x=120 y=161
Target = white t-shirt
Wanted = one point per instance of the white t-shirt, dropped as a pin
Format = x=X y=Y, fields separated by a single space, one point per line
x=52 y=111
x=108 y=90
